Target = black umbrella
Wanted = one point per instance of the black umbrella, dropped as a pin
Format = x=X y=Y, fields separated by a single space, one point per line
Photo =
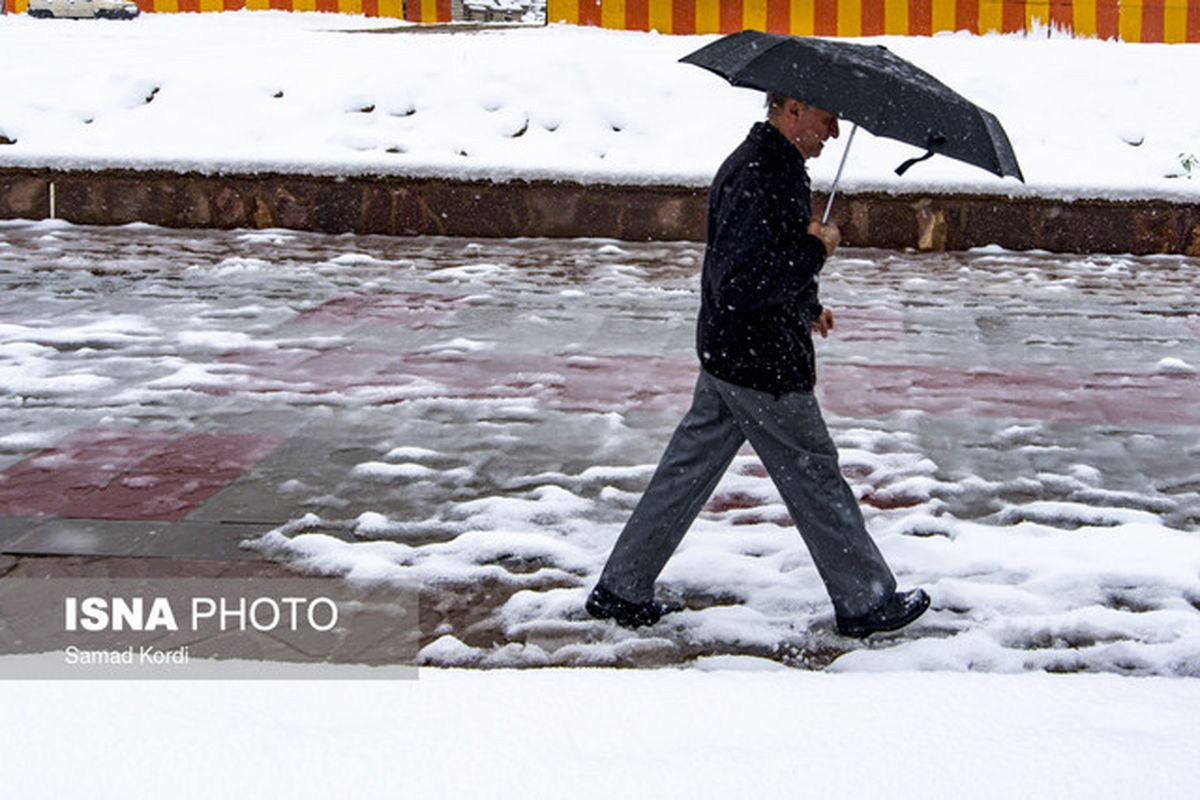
x=868 y=85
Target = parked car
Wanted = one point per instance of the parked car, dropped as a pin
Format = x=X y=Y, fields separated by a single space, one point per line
x=489 y=10
x=83 y=9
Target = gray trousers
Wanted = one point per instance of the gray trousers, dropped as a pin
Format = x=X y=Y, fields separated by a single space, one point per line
x=790 y=437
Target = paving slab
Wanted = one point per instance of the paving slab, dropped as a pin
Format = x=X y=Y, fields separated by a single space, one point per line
x=13 y=528
x=295 y=478
x=122 y=567
x=86 y=537
x=134 y=538
x=205 y=540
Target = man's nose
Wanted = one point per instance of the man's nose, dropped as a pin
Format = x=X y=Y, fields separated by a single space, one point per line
x=833 y=129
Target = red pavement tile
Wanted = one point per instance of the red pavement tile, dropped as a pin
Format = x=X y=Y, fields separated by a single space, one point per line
x=303 y=372
x=269 y=370
x=272 y=361
x=1053 y=393
x=651 y=384
x=341 y=369
x=131 y=475
x=408 y=310
x=162 y=497
x=79 y=465
x=728 y=501
x=868 y=324
x=209 y=453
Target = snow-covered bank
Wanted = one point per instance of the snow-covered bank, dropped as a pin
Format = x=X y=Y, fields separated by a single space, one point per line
x=607 y=734
x=271 y=91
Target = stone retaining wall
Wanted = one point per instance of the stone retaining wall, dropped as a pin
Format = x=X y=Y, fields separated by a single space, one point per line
x=411 y=206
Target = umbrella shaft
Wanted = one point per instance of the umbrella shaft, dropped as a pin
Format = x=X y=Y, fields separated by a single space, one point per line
x=837 y=178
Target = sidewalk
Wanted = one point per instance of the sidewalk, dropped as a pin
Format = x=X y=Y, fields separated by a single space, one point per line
x=483 y=413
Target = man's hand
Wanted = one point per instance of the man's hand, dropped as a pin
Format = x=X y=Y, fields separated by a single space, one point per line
x=824 y=323
x=829 y=235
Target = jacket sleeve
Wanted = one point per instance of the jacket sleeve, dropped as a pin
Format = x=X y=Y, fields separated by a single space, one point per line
x=763 y=253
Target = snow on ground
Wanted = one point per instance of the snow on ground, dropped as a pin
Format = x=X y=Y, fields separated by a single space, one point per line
x=243 y=92
x=1052 y=585
x=604 y=734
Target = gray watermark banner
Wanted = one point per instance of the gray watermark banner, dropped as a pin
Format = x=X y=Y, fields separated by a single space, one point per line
x=197 y=628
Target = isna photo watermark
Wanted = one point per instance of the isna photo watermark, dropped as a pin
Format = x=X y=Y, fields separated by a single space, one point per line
x=146 y=628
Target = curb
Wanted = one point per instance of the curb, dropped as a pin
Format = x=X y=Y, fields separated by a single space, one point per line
x=558 y=209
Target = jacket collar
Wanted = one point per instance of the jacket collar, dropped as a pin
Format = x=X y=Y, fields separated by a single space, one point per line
x=781 y=153
x=776 y=143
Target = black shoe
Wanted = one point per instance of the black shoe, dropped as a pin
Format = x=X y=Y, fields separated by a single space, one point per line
x=896 y=612
x=603 y=604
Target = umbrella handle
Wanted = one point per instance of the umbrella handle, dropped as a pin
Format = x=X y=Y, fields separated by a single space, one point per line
x=837 y=178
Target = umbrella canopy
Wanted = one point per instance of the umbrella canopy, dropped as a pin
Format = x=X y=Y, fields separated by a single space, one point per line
x=868 y=85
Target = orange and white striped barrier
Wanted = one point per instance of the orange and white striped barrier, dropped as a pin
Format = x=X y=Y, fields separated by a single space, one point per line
x=1127 y=20
x=1171 y=21
x=416 y=11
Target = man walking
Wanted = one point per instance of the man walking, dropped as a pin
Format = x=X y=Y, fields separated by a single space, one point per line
x=758 y=308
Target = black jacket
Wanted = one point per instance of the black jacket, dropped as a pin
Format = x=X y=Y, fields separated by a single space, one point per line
x=759 y=285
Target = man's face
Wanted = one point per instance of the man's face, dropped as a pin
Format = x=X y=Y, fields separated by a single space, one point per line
x=807 y=127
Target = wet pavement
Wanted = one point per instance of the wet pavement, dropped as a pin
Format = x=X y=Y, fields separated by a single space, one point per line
x=173 y=394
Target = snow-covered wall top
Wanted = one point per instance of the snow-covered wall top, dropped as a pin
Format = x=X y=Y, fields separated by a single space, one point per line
x=321 y=94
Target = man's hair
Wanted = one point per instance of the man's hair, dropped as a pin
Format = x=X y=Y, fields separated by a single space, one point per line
x=775 y=101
